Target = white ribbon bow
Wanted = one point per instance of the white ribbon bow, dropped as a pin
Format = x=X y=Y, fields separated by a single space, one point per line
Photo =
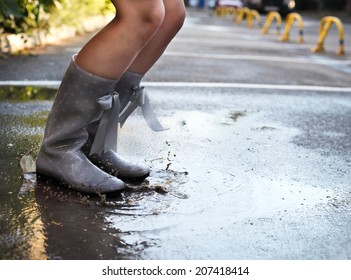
x=142 y=100
x=106 y=135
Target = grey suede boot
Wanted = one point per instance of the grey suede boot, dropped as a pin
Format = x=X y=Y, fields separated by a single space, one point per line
x=82 y=99
x=131 y=96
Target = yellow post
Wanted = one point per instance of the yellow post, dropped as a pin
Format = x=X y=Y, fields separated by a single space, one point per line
x=223 y=11
x=270 y=17
x=325 y=25
x=242 y=13
x=289 y=22
x=218 y=11
x=231 y=10
x=236 y=13
x=251 y=18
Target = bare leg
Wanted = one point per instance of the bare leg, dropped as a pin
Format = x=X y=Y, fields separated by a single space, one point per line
x=173 y=21
x=137 y=53
x=93 y=74
x=109 y=53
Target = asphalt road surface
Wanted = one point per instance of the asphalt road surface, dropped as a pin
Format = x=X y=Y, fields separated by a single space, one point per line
x=256 y=163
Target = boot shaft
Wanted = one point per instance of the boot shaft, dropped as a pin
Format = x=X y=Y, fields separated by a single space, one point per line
x=75 y=106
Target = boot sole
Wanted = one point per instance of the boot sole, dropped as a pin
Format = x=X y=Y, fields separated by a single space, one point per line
x=135 y=180
x=60 y=183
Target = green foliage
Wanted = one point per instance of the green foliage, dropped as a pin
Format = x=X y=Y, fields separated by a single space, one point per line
x=72 y=12
x=10 y=7
x=25 y=94
x=25 y=15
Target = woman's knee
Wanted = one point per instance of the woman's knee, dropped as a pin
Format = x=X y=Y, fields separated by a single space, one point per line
x=175 y=13
x=144 y=16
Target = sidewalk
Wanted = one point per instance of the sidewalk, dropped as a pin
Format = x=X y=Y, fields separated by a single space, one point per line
x=16 y=43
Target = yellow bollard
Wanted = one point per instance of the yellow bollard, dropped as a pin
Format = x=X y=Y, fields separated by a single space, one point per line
x=236 y=13
x=231 y=10
x=242 y=13
x=251 y=18
x=223 y=11
x=289 y=22
x=325 y=25
x=270 y=17
x=218 y=11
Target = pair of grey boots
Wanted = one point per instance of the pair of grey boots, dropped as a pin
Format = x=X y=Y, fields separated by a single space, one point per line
x=79 y=147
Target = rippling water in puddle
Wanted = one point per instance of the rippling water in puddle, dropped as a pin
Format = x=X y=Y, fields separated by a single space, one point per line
x=224 y=182
x=84 y=219
x=41 y=220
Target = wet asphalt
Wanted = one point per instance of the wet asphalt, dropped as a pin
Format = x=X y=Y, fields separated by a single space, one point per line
x=256 y=163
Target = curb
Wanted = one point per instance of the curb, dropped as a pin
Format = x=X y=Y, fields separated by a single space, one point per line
x=14 y=43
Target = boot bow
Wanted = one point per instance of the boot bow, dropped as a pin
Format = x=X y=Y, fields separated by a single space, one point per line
x=141 y=99
x=106 y=135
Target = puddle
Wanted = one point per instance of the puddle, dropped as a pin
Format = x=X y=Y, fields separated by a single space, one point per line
x=21 y=227
x=56 y=211
x=217 y=175
x=41 y=220
x=21 y=134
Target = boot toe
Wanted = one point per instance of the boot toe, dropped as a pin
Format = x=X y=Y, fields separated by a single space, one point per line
x=110 y=185
x=114 y=164
x=135 y=172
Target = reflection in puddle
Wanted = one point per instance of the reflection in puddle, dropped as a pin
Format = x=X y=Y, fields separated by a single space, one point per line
x=21 y=228
x=218 y=189
x=65 y=221
x=73 y=221
x=45 y=221
x=22 y=234
x=134 y=200
x=154 y=195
